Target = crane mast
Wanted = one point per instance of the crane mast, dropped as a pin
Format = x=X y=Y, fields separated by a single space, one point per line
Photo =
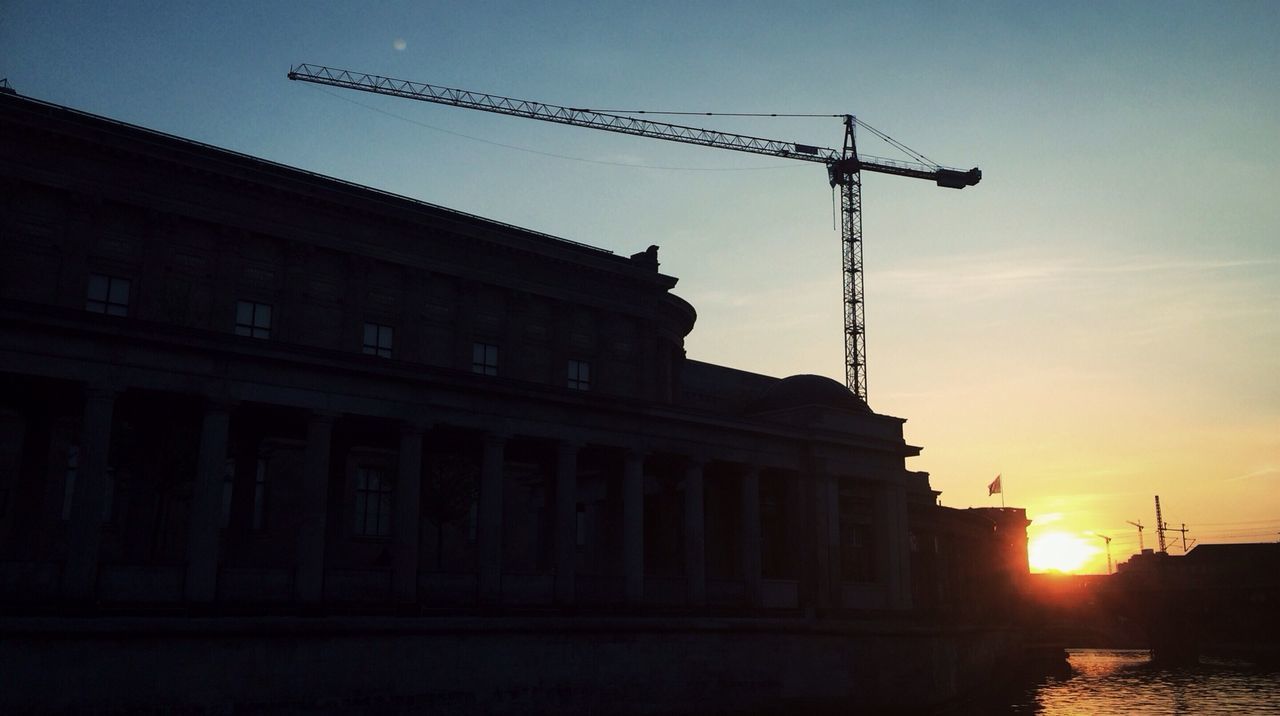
x=844 y=168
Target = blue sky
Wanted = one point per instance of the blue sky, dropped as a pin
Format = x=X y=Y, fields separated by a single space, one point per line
x=1099 y=319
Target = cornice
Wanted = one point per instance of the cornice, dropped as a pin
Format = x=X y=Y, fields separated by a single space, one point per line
x=309 y=188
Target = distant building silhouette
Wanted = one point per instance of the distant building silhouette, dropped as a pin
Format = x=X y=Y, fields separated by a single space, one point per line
x=1216 y=597
x=231 y=384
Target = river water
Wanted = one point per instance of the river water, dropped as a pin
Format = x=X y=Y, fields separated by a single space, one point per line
x=1125 y=682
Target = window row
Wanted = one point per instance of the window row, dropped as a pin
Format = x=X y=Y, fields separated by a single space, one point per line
x=110 y=295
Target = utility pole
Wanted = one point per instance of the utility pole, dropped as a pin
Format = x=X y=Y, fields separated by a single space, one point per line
x=1108 y=540
x=1184 y=531
x=1141 y=545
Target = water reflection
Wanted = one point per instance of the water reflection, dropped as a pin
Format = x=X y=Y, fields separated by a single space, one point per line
x=1125 y=682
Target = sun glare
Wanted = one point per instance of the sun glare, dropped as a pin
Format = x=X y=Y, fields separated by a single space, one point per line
x=1059 y=552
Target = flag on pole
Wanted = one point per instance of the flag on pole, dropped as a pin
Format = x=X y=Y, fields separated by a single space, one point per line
x=994 y=487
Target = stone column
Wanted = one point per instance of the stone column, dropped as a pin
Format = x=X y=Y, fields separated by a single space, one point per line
x=408 y=511
x=489 y=516
x=206 y=505
x=750 y=492
x=313 y=506
x=834 y=572
x=893 y=543
x=80 y=574
x=695 y=543
x=820 y=558
x=566 y=521
x=633 y=525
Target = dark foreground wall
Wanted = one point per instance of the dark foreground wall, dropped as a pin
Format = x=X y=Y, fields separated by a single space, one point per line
x=508 y=665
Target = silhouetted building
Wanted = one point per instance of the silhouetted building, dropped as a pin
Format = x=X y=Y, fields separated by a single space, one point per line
x=967 y=564
x=229 y=386
x=226 y=380
x=1215 y=597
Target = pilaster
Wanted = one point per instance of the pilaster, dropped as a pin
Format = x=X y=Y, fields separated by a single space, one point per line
x=309 y=577
x=695 y=544
x=85 y=531
x=489 y=532
x=206 y=504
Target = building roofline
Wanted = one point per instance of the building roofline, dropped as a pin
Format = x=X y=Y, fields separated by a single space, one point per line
x=265 y=165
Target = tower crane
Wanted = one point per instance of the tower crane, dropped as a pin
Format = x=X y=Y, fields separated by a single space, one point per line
x=1141 y=545
x=844 y=167
x=1108 y=541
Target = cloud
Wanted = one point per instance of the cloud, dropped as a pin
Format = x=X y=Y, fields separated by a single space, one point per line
x=1047 y=518
x=981 y=277
x=1264 y=472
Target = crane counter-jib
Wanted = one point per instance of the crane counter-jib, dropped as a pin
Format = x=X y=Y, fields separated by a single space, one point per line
x=843 y=166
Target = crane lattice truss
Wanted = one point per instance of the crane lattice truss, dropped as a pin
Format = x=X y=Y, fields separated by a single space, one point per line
x=844 y=167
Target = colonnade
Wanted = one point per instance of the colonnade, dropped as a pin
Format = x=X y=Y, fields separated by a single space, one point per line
x=819 y=558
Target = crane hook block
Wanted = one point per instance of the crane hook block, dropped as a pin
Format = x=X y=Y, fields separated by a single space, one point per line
x=952 y=179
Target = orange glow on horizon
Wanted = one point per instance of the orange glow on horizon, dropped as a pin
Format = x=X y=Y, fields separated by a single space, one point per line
x=1059 y=552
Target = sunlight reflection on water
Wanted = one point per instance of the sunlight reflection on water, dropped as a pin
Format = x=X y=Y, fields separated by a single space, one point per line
x=1125 y=682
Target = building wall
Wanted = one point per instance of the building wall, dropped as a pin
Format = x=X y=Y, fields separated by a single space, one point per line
x=165 y=442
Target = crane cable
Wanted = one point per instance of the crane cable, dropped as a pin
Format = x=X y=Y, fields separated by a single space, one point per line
x=889 y=140
x=895 y=143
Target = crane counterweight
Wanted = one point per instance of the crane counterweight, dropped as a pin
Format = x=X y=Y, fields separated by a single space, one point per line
x=952 y=179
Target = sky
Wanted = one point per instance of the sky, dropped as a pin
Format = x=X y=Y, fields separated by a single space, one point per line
x=1098 y=321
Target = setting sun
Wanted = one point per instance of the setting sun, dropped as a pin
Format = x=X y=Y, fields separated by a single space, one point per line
x=1059 y=552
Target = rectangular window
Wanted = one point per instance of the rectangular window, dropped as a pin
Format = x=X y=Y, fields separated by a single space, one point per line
x=857 y=534
x=579 y=375
x=373 y=502
x=259 y=517
x=857 y=553
x=253 y=319
x=484 y=359
x=377 y=340
x=108 y=294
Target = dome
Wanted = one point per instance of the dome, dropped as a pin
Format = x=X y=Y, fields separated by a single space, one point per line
x=800 y=391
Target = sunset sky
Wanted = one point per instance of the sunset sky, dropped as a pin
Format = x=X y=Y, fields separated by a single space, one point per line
x=1098 y=320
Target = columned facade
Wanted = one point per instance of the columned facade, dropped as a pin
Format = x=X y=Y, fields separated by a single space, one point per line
x=783 y=529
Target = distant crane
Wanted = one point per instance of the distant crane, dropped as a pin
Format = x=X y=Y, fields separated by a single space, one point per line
x=1141 y=545
x=1108 y=541
x=1160 y=526
x=844 y=167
